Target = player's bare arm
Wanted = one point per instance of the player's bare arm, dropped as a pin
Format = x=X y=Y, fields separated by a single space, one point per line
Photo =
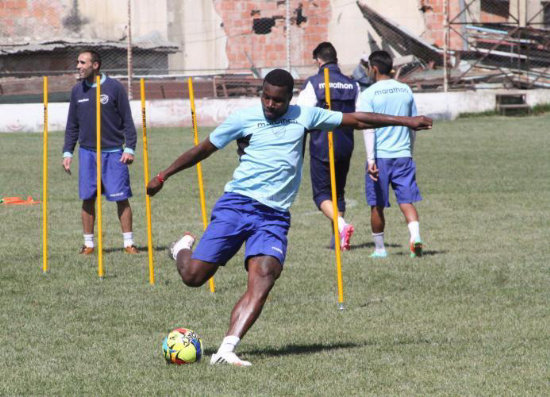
x=186 y=160
x=364 y=120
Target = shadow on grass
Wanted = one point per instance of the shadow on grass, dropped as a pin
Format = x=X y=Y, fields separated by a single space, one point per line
x=302 y=349
x=371 y=245
x=142 y=249
x=424 y=253
x=295 y=350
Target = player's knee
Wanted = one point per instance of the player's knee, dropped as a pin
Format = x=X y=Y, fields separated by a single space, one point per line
x=263 y=272
x=193 y=274
x=192 y=279
x=123 y=204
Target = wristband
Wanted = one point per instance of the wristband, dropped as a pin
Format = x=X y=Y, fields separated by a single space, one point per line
x=160 y=178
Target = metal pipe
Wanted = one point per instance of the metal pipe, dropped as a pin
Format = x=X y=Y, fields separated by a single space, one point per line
x=129 y=51
x=288 y=35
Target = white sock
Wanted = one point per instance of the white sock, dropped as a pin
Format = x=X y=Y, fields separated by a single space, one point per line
x=341 y=224
x=89 y=240
x=229 y=344
x=184 y=243
x=379 y=242
x=128 y=239
x=414 y=230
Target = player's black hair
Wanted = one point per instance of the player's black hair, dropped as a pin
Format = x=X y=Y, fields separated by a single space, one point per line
x=382 y=60
x=280 y=78
x=95 y=56
x=325 y=52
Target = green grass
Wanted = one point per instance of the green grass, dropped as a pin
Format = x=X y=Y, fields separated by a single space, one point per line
x=469 y=318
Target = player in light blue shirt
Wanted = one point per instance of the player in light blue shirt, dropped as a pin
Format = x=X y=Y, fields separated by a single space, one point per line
x=389 y=154
x=272 y=151
x=254 y=207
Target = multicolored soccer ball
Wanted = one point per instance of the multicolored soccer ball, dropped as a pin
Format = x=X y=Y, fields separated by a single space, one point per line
x=182 y=346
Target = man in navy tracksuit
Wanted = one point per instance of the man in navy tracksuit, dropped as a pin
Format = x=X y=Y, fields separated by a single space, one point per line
x=343 y=95
x=118 y=143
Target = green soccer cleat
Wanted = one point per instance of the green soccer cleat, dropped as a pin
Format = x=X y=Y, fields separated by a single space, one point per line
x=416 y=249
x=377 y=255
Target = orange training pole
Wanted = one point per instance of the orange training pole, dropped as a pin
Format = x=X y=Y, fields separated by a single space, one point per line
x=146 y=175
x=45 y=183
x=100 y=271
x=199 y=168
x=334 y=203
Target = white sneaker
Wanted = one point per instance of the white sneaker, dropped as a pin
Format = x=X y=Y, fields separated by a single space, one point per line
x=228 y=358
x=186 y=242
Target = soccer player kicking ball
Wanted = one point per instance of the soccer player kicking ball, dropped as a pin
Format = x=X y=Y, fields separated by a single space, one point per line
x=389 y=154
x=255 y=206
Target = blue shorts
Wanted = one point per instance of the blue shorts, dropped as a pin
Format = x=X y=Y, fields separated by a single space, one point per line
x=401 y=174
x=236 y=219
x=115 y=178
x=320 y=181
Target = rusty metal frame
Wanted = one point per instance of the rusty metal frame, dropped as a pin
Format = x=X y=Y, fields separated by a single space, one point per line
x=451 y=22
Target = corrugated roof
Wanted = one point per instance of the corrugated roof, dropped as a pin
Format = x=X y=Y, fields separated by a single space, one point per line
x=50 y=45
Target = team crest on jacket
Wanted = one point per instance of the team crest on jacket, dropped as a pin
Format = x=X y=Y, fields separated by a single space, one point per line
x=104 y=99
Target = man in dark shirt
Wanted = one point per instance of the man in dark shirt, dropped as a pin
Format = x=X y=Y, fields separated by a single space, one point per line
x=117 y=130
x=344 y=93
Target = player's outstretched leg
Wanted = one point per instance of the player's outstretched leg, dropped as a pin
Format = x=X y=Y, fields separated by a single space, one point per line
x=186 y=242
x=193 y=272
x=262 y=273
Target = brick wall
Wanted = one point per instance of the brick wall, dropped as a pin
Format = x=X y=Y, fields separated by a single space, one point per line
x=267 y=47
x=434 y=17
x=24 y=20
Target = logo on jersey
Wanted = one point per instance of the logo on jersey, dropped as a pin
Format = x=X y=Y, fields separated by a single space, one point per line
x=104 y=99
x=397 y=90
x=337 y=85
x=278 y=127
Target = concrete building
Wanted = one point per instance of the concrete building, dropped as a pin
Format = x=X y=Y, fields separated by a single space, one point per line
x=229 y=35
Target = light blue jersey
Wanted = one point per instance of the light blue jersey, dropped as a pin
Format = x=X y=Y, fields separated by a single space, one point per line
x=270 y=170
x=393 y=98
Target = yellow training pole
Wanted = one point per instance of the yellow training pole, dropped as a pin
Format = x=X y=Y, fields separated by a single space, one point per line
x=100 y=271
x=146 y=175
x=334 y=203
x=45 y=183
x=199 y=169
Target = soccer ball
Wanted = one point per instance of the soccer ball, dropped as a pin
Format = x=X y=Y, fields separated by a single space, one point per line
x=182 y=346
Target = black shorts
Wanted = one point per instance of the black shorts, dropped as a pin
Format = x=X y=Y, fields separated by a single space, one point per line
x=320 y=181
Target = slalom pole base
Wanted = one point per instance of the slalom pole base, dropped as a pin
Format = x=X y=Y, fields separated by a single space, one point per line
x=341 y=306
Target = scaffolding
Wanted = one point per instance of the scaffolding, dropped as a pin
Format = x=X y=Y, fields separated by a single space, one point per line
x=509 y=40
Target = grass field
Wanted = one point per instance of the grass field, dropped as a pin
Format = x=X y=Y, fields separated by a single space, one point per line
x=469 y=318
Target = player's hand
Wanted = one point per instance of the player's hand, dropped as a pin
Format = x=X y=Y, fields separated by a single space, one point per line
x=67 y=164
x=127 y=158
x=421 y=123
x=154 y=186
x=372 y=170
